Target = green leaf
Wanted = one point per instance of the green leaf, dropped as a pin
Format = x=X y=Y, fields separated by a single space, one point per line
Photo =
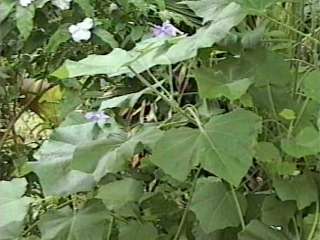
x=256 y=230
x=86 y=7
x=160 y=206
x=306 y=143
x=136 y=230
x=24 y=17
x=40 y=3
x=117 y=194
x=251 y=39
x=267 y=152
x=95 y=64
x=111 y=154
x=238 y=129
x=55 y=157
x=189 y=147
x=214 y=84
x=13 y=208
x=288 y=114
x=276 y=212
x=60 y=36
x=226 y=234
x=5 y=8
x=155 y=51
x=214 y=205
x=176 y=152
x=256 y=7
x=125 y=101
x=261 y=64
x=96 y=151
x=106 y=36
x=254 y=203
x=311 y=85
x=308 y=222
x=85 y=224
x=289 y=190
x=207 y=9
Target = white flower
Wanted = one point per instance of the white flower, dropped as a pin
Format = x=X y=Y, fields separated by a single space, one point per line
x=86 y=24
x=279 y=228
x=62 y=4
x=25 y=3
x=81 y=31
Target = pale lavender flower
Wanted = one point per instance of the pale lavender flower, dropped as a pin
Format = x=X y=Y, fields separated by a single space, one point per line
x=166 y=30
x=97 y=117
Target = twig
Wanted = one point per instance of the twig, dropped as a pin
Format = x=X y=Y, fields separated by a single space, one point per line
x=17 y=116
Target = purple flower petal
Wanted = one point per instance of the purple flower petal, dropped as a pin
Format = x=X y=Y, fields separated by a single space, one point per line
x=166 y=30
x=97 y=117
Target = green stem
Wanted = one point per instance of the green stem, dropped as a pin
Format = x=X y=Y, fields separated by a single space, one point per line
x=169 y=101
x=171 y=80
x=158 y=82
x=293 y=29
x=302 y=110
x=295 y=225
x=30 y=228
x=315 y=222
x=110 y=229
x=289 y=134
x=186 y=210
x=239 y=210
x=273 y=107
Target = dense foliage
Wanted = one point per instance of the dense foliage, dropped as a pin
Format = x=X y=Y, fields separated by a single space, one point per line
x=159 y=120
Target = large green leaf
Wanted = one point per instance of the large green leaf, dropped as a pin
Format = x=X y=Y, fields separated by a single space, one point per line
x=24 y=17
x=13 y=208
x=155 y=51
x=176 y=152
x=117 y=194
x=306 y=143
x=5 y=8
x=55 y=157
x=88 y=223
x=230 y=144
x=289 y=190
x=261 y=64
x=256 y=230
x=225 y=148
x=312 y=85
x=136 y=230
x=111 y=154
x=87 y=156
x=214 y=84
x=214 y=205
x=276 y=212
